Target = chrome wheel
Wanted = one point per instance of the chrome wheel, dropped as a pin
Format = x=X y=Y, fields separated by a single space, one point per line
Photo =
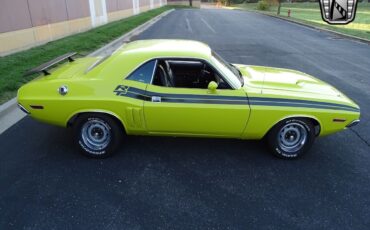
x=96 y=134
x=292 y=137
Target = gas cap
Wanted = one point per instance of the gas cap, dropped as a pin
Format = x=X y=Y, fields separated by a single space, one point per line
x=63 y=90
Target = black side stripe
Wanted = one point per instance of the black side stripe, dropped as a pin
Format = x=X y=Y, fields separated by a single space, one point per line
x=202 y=101
x=316 y=106
x=137 y=96
x=232 y=100
x=187 y=96
x=284 y=100
x=184 y=99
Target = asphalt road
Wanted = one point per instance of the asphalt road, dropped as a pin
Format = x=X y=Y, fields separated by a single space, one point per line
x=186 y=183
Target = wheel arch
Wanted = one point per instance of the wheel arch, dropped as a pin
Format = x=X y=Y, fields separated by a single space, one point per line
x=315 y=121
x=73 y=117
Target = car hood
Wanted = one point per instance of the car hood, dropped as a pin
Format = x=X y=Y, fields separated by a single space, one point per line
x=268 y=78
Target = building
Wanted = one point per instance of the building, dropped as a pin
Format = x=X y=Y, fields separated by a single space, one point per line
x=28 y=23
x=195 y=3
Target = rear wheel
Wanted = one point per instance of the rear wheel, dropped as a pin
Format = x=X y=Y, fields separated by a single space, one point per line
x=97 y=135
x=291 y=138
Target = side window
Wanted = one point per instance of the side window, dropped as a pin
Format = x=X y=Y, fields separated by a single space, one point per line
x=144 y=73
x=187 y=73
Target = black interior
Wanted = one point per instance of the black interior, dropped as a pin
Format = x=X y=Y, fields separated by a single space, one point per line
x=186 y=74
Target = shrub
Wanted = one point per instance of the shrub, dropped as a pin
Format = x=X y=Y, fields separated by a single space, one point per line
x=263 y=5
x=225 y=2
x=237 y=1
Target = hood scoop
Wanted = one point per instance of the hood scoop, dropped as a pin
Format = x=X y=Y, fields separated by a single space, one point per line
x=267 y=78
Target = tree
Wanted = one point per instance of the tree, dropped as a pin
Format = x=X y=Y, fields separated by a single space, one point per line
x=228 y=2
x=278 y=3
x=191 y=2
x=279 y=6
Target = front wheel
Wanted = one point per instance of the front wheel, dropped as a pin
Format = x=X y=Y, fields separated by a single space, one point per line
x=291 y=138
x=97 y=135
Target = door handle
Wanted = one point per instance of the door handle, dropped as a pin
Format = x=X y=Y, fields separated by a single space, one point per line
x=156 y=99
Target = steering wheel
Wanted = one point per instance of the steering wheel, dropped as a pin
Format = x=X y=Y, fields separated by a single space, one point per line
x=204 y=72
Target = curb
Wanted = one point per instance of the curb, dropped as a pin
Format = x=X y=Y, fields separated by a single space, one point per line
x=7 y=106
x=10 y=114
x=11 y=106
x=363 y=40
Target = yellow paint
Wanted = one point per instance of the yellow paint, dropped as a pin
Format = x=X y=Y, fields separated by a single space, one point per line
x=93 y=91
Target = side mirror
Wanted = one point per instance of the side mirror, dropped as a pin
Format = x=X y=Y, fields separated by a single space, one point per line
x=212 y=86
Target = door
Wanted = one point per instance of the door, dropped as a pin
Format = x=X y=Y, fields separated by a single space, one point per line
x=185 y=106
x=132 y=90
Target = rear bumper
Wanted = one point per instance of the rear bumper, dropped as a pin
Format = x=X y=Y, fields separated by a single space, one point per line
x=23 y=109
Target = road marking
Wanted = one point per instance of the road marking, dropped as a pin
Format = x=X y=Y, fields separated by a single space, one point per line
x=188 y=24
x=206 y=23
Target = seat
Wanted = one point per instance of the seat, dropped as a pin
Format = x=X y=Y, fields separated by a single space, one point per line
x=170 y=74
x=163 y=76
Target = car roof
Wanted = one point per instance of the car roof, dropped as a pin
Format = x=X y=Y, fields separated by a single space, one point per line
x=166 y=48
x=131 y=55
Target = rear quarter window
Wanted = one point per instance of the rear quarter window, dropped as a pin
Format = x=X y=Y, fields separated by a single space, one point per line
x=144 y=73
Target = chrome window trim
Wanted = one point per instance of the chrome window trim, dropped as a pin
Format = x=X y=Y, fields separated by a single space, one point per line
x=189 y=59
x=184 y=62
x=141 y=65
x=222 y=74
x=154 y=69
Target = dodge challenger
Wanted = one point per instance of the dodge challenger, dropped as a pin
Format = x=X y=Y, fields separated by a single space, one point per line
x=182 y=88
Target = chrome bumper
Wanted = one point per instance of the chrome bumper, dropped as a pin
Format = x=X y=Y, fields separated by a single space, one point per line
x=353 y=123
x=23 y=109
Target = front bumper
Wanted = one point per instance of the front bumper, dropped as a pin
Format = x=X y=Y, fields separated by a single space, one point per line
x=353 y=123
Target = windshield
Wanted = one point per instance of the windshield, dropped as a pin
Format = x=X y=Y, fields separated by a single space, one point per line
x=232 y=72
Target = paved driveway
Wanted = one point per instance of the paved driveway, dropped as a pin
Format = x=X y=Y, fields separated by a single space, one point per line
x=156 y=182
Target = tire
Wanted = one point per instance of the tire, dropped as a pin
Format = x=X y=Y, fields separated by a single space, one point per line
x=97 y=135
x=291 y=138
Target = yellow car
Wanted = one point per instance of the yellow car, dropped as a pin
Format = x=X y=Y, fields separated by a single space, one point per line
x=183 y=88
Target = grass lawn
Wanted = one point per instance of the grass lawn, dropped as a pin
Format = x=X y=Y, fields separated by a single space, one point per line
x=309 y=13
x=13 y=66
